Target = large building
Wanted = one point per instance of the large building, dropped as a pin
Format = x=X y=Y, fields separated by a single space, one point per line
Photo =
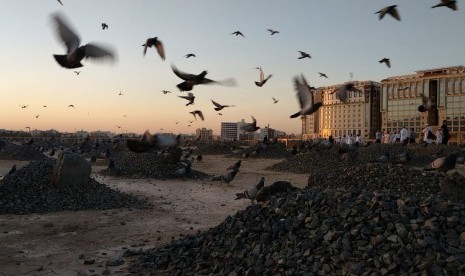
x=401 y=96
x=359 y=115
x=204 y=135
x=229 y=131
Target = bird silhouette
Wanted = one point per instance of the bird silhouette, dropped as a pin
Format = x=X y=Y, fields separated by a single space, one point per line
x=75 y=53
x=252 y=192
x=77 y=73
x=71 y=106
x=305 y=97
x=104 y=26
x=197 y=112
x=59 y=1
x=118 y=126
x=391 y=10
x=37 y=116
x=221 y=114
x=191 y=80
x=275 y=101
x=235 y=166
x=263 y=80
x=427 y=104
x=342 y=92
x=386 y=61
x=157 y=44
x=304 y=55
x=238 y=33
x=189 y=55
x=226 y=177
x=451 y=4
x=190 y=97
x=44 y=106
x=218 y=106
x=23 y=106
x=191 y=122
x=165 y=91
x=272 y=32
x=323 y=75
x=250 y=127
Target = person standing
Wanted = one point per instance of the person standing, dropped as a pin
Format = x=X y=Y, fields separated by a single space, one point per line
x=387 y=137
x=445 y=133
x=439 y=136
x=378 y=136
x=426 y=136
x=412 y=136
x=404 y=135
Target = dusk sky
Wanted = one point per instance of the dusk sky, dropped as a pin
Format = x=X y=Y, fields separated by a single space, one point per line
x=342 y=36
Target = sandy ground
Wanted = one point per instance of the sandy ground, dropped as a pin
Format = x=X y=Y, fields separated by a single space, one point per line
x=58 y=243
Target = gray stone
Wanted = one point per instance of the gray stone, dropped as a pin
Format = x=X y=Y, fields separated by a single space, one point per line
x=453 y=184
x=71 y=170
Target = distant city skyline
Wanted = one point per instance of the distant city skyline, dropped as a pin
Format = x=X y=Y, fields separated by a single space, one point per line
x=345 y=39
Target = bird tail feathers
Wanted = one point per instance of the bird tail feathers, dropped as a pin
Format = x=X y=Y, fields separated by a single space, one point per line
x=295 y=115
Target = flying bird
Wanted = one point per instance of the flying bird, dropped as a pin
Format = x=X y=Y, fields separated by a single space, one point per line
x=191 y=122
x=305 y=97
x=118 y=126
x=451 y=4
x=237 y=33
x=104 y=26
x=189 y=55
x=323 y=75
x=386 y=61
x=274 y=100
x=190 y=97
x=218 y=106
x=75 y=53
x=252 y=192
x=77 y=72
x=191 y=80
x=221 y=114
x=37 y=116
x=197 y=112
x=23 y=106
x=272 y=32
x=304 y=55
x=427 y=104
x=44 y=106
x=165 y=91
x=342 y=92
x=263 y=80
x=71 y=106
x=391 y=10
x=250 y=127
x=59 y=1
x=157 y=44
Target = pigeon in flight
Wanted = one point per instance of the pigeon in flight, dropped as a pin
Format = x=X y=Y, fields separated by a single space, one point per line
x=221 y=114
x=77 y=73
x=305 y=97
x=323 y=75
x=218 y=106
x=274 y=100
x=59 y=1
x=157 y=44
x=250 y=127
x=71 y=106
x=226 y=177
x=390 y=10
x=272 y=32
x=75 y=53
x=23 y=106
x=44 y=106
x=262 y=78
x=104 y=26
x=443 y=164
x=237 y=33
x=190 y=97
x=165 y=91
x=427 y=104
x=252 y=192
x=451 y=4
x=189 y=55
x=386 y=61
x=37 y=116
x=118 y=126
x=197 y=112
x=120 y=93
x=148 y=141
x=342 y=92
x=304 y=55
x=191 y=80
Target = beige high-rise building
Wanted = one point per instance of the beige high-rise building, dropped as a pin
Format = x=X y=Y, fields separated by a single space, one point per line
x=401 y=96
x=359 y=115
x=206 y=135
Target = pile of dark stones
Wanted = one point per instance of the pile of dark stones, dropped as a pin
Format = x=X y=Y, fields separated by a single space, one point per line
x=318 y=231
x=151 y=164
x=261 y=150
x=11 y=151
x=29 y=190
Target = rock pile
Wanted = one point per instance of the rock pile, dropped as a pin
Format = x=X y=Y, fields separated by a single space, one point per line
x=323 y=232
x=10 y=151
x=29 y=190
x=273 y=151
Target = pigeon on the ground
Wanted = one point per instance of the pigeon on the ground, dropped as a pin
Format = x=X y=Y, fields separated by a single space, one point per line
x=250 y=127
x=197 y=112
x=75 y=53
x=190 y=97
x=451 y=4
x=305 y=97
x=272 y=32
x=238 y=33
x=226 y=177
x=390 y=10
x=443 y=164
x=323 y=75
x=304 y=55
x=275 y=188
x=199 y=158
x=218 y=106
x=189 y=55
x=235 y=166
x=427 y=104
x=274 y=100
x=104 y=26
x=157 y=44
x=252 y=192
x=342 y=92
x=386 y=61
x=263 y=80
x=183 y=171
x=191 y=80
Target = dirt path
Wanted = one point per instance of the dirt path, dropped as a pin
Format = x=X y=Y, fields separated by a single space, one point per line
x=52 y=244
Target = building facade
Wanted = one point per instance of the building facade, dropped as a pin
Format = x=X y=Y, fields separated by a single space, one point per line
x=359 y=115
x=401 y=96
x=229 y=131
x=205 y=135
